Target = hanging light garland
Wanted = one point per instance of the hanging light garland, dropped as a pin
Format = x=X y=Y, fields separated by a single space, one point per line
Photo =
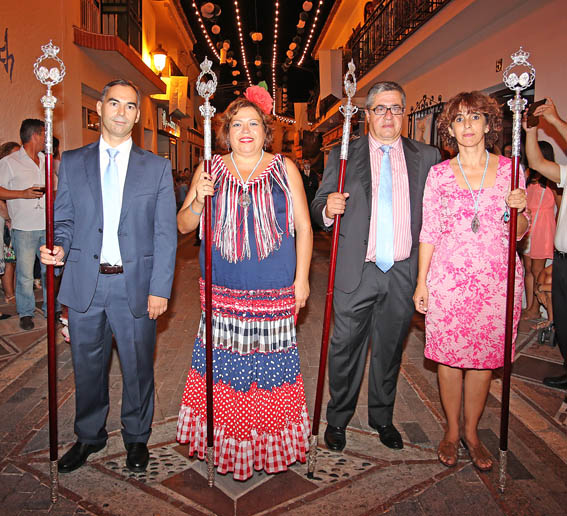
x=205 y=33
x=239 y=25
x=308 y=42
x=284 y=119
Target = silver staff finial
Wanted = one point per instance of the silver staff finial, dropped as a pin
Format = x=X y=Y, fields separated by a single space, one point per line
x=206 y=89
x=349 y=109
x=49 y=77
x=526 y=71
x=350 y=80
x=518 y=80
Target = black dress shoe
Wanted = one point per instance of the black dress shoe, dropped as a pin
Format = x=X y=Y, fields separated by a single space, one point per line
x=138 y=457
x=335 y=438
x=559 y=382
x=77 y=456
x=390 y=436
x=26 y=322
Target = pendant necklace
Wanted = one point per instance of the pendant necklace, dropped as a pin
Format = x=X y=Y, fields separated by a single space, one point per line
x=244 y=198
x=475 y=223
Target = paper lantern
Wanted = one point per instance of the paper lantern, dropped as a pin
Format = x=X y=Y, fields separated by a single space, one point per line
x=307 y=6
x=215 y=29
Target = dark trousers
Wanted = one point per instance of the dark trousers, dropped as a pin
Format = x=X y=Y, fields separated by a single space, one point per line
x=559 y=301
x=378 y=312
x=91 y=346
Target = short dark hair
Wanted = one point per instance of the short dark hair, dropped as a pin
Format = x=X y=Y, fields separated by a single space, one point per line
x=121 y=82
x=234 y=107
x=381 y=87
x=472 y=102
x=7 y=148
x=29 y=127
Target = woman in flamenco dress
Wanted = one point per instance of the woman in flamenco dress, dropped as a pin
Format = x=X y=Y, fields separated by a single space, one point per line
x=261 y=251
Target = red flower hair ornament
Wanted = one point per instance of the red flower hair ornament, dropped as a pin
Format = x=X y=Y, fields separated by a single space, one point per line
x=260 y=97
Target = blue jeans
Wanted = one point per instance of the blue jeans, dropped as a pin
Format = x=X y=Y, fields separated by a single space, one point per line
x=26 y=247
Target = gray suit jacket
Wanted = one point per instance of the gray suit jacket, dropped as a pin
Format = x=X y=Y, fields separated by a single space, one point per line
x=147 y=232
x=355 y=223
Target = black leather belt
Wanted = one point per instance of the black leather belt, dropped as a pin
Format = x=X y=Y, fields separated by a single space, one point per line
x=106 y=268
x=560 y=254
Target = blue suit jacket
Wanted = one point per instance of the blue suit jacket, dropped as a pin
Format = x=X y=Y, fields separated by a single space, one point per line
x=147 y=232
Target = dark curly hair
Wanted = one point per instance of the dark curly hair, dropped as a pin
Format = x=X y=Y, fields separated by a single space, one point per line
x=226 y=118
x=471 y=102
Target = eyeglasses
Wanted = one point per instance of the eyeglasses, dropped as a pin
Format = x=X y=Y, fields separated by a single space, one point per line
x=382 y=110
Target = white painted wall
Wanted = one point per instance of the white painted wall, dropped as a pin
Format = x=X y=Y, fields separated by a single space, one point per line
x=540 y=27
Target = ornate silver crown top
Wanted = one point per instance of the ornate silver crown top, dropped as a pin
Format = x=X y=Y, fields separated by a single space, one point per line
x=206 y=88
x=350 y=80
x=52 y=76
x=526 y=77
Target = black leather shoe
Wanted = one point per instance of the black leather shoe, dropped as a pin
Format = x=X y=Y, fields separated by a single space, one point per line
x=138 y=457
x=335 y=438
x=26 y=322
x=558 y=382
x=390 y=436
x=77 y=456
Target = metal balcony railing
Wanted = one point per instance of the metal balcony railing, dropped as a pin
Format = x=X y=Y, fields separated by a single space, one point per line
x=90 y=15
x=390 y=24
x=122 y=18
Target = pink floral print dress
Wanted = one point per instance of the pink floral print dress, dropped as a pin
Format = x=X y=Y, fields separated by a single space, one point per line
x=465 y=320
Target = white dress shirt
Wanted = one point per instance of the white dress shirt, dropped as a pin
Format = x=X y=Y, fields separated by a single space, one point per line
x=122 y=160
x=18 y=172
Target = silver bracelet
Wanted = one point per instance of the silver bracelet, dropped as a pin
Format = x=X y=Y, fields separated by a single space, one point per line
x=192 y=210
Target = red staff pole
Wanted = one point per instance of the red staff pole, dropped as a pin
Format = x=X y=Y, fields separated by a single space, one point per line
x=517 y=105
x=50 y=77
x=348 y=111
x=206 y=89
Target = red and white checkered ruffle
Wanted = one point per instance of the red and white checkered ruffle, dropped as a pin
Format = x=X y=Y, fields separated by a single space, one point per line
x=271 y=452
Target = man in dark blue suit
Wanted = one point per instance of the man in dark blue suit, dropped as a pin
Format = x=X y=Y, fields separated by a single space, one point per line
x=116 y=233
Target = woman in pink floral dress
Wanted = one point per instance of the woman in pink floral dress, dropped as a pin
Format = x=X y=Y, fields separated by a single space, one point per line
x=461 y=284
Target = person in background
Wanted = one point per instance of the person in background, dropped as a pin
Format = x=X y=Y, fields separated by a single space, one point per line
x=22 y=176
x=6 y=250
x=463 y=264
x=543 y=198
x=558 y=174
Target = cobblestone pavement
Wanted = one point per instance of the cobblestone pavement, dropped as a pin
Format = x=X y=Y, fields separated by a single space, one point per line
x=366 y=478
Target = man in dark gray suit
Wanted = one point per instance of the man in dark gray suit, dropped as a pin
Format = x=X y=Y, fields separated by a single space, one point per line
x=376 y=263
x=115 y=230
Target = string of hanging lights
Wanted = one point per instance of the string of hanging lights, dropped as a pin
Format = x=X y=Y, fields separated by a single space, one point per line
x=284 y=119
x=204 y=31
x=239 y=25
x=310 y=37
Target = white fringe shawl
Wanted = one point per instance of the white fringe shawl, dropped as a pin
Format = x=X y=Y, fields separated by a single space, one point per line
x=230 y=232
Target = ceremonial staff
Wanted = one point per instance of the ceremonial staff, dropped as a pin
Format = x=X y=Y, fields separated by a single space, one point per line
x=50 y=77
x=517 y=80
x=348 y=111
x=206 y=89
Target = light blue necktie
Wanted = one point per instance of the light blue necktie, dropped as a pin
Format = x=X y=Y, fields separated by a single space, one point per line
x=385 y=215
x=111 y=206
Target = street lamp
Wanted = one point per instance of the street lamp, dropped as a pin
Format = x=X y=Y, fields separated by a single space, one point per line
x=160 y=57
